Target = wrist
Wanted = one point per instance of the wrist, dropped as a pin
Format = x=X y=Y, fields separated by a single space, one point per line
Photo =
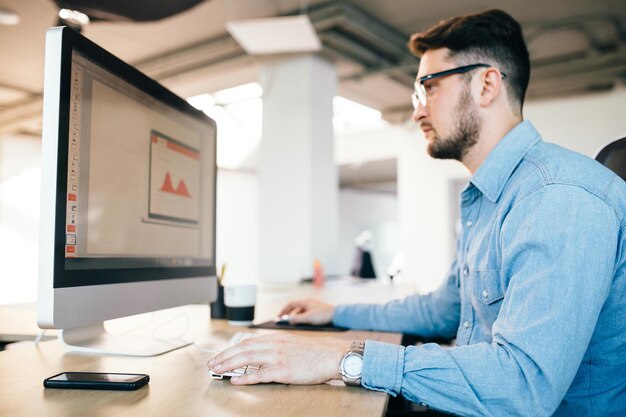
x=338 y=352
x=351 y=366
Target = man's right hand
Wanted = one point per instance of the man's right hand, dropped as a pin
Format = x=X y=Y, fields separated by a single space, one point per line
x=309 y=311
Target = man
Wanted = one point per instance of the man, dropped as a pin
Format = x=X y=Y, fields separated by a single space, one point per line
x=537 y=294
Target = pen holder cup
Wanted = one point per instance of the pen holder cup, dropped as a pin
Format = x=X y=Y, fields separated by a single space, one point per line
x=218 y=309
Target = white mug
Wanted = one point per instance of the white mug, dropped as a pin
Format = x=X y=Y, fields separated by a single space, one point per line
x=239 y=299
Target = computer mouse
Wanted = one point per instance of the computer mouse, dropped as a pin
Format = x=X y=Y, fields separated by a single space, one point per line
x=283 y=320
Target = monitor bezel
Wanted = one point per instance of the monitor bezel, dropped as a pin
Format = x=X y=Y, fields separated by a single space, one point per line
x=62 y=277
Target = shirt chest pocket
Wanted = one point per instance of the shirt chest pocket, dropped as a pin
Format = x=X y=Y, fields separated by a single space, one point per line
x=487 y=296
x=488 y=286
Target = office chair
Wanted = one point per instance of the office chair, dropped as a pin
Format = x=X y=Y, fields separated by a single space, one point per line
x=613 y=156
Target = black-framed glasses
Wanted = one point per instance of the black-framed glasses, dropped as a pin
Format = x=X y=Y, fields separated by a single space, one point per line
x=419 y=95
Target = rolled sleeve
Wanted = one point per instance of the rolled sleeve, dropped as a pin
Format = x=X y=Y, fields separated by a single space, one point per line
x=383 y=367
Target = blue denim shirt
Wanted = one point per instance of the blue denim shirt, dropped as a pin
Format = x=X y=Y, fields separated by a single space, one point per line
x=536 y=295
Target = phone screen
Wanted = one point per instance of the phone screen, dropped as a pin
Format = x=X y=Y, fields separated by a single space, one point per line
x=97 y=380
x=96 y=377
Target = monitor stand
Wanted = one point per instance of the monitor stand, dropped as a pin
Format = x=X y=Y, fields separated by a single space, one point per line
x=95 y=339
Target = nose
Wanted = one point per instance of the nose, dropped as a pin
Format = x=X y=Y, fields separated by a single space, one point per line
x=419 y=113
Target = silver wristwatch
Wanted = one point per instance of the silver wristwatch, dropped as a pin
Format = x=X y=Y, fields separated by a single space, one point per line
x=351 y=366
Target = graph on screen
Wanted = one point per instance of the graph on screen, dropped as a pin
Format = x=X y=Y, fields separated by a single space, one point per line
x=181 y=190
x=174 y=180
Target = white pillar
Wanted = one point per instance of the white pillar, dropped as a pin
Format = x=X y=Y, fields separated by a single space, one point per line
x=298 y=184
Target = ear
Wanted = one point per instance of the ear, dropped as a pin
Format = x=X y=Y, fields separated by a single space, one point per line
x=491 y=84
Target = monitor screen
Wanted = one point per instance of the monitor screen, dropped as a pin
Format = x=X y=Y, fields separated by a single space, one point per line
x=140 y=181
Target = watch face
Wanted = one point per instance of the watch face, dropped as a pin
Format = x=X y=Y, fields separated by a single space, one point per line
x=353 y=365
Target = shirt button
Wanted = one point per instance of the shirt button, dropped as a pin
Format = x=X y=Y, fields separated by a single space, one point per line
x=485 y=294
x=466 y=324
x=469 y=223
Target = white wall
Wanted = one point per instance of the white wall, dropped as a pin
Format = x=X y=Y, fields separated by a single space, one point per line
x=20 y=177
x=583 y=124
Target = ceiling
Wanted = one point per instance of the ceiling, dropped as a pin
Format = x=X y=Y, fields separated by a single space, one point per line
x=575 y=45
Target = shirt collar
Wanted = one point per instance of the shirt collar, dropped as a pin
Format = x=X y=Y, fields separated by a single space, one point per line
x=496 y=169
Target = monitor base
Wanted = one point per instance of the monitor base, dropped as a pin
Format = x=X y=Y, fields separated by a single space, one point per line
x=95 y=339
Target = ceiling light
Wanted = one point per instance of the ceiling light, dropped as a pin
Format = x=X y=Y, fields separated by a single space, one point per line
x=8 y=17
x=275 y=35
x=74 y=17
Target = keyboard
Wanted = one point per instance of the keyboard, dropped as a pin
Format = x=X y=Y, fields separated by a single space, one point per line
x=237 y=337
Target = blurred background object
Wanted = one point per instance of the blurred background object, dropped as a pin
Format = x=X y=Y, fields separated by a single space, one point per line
x=363 y=263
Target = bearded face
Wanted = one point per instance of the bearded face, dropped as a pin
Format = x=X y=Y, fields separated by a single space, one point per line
x=463 y=134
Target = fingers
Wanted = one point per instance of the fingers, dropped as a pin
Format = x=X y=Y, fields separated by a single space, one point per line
x=285 y=310
x=310 y=318
x=262 y=358
x=233 y=351
x=299 y=310
x=259 y=350
x=291 y=307
x=255 y=377
x=319 y=315
x=300 y=318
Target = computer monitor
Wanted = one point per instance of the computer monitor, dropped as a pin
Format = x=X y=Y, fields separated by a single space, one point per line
x=128 y=198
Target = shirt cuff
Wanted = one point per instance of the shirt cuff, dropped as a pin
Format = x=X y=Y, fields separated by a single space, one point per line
x=383 y=367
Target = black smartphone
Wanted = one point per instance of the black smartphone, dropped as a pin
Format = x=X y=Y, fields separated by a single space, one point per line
x=97 y=380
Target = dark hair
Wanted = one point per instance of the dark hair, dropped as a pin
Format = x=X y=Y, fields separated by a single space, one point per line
x=492 y=36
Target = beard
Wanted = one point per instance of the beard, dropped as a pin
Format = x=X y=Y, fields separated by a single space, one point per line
x=464 y=135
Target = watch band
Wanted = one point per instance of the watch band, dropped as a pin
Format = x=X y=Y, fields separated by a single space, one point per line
x=357 y=348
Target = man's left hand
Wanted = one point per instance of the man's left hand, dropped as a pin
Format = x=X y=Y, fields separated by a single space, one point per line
x=284 y=358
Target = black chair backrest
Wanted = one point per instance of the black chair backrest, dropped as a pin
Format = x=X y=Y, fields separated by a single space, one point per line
x=613 y=156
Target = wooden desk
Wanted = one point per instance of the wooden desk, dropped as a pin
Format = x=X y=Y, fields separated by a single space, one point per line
x=179 y=383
